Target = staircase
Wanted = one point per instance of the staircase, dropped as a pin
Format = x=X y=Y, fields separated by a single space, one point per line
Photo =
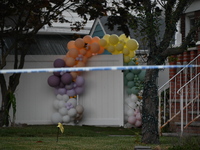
x=179 y=105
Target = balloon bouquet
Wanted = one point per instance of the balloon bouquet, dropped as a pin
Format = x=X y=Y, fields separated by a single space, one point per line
x=68 y=85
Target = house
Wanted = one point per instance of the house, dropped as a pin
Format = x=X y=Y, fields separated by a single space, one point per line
x=180 y=96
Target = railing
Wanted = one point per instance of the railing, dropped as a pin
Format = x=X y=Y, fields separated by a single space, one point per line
x=182 y=82
x=192 y=87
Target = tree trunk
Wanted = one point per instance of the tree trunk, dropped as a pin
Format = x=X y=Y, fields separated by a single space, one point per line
x=150 y=132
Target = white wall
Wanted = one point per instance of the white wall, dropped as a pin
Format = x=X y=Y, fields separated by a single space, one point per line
x=102 y=99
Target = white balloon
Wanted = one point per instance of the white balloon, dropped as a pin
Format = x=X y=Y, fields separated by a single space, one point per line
x=79 y=109
x=126 y=118
x=73 y=101
x=59 y=97
x=66 y=119
x=65 y=97
x=63 y=111
x=72 y=112
x=126 y=108
x=132 y=105
x=128 y=99
x=130 y=112
x=134 y=98
x=55 y=104
x=61 y=104
x=56 y=118
x=128 y=125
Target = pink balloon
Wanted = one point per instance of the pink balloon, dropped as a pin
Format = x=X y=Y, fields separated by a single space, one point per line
x=67 y=78
x=53 y=81
x=132 y=120
x=138 y=116
x=138 y=123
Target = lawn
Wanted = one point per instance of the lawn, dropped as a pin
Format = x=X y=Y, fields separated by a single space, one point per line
x=75 y=138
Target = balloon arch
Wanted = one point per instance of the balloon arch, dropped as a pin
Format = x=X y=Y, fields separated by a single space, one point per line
x=68 y=85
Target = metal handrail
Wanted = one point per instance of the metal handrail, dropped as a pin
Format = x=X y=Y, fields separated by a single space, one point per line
x=178 y=91
x=178 y=73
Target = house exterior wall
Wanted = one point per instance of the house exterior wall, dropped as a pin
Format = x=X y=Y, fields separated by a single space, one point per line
x=102 y=99
x=180 y=80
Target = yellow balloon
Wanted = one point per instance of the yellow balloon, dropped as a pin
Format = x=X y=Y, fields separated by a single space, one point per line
x=102 y=42
x=126 y=51
x=111 y=48
x=119 y=47
x=126 y=59
x=122 y=37
x=116 y=52
x=132 y=54
x=106 y=37
x=113 y=39
x=132 y=44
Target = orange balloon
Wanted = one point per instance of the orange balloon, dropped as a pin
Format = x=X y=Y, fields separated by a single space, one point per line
x=87 y=39
x=95 y=39
x=88 y=54
x=69 y=61
x=79 y=43
x=85 y=59
x=80 y=64
x=73 y=52
x=74 y=75
x=82 y=51
x=94 y=47
x=101 y=50
x=71 y=44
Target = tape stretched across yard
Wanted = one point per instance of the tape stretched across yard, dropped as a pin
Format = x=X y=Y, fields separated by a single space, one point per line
x=43 y=70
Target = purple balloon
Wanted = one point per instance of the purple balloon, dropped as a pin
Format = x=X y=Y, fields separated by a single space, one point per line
x=61 y=85
x=71 y=92
x=61 y=91
x=67 y=78
x=69 y=86
x=56 y=73
x=80 y=81
x=79 y=90
x=59 y=63
x=53 y=81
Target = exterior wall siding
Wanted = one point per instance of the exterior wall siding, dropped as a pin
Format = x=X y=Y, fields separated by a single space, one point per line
x=102 y=99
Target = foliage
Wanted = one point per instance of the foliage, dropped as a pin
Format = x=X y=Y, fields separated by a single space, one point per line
x=75 y=137
x=186 y=143
x=20 y=22
x=148 y=19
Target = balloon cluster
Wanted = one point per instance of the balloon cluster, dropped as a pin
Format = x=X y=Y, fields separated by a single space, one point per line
x=64 y=83
x=68 y=85
x=81 y=49
x=68 y=109
x=120 y=44
x=66 y=88
x=134 y=79
x=132 y=113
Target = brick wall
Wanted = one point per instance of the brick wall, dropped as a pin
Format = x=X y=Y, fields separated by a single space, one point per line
x=179 y=81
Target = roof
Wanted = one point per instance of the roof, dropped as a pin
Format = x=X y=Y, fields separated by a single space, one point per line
x=102 y=23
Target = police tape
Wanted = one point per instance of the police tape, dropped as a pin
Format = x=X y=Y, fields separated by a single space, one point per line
x=103 y=68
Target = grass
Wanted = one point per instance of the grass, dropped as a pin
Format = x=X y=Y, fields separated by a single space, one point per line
x=75 y=138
